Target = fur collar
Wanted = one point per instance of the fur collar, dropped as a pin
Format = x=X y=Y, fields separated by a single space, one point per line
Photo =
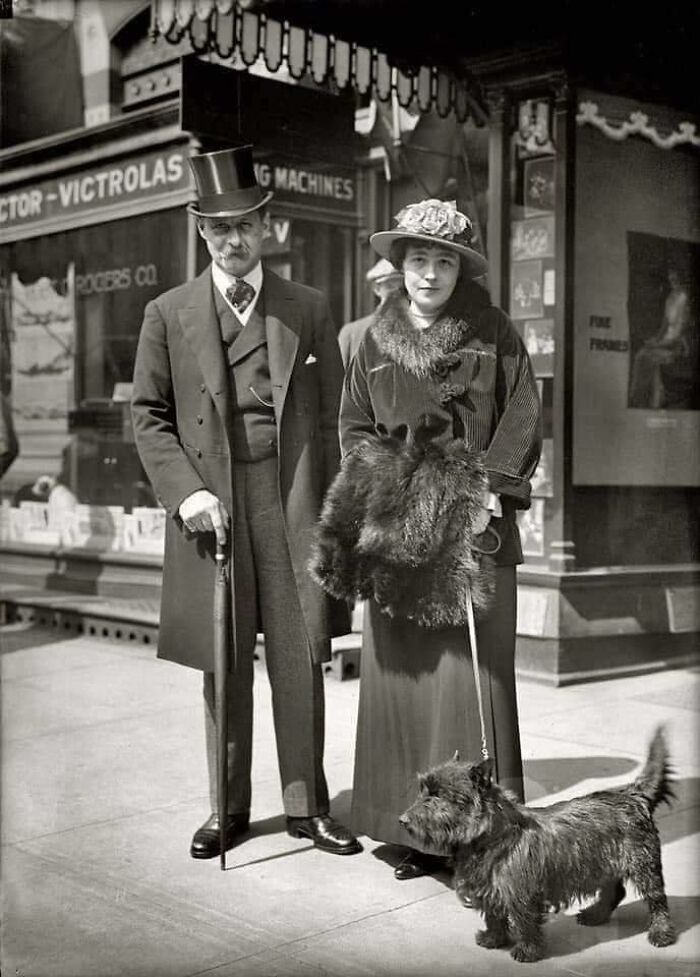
x=423 y=352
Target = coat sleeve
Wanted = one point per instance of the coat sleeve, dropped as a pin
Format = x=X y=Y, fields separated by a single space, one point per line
x=330 y=368
x=514 y=451
x=155 y=418
x=357 y=422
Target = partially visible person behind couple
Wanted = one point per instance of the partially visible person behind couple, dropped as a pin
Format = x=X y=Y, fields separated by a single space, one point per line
x=440 y=428
x=239 y=436
x=383 y=278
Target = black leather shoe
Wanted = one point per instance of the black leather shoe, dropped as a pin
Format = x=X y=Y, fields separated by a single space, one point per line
x=326 y=834
x=416 y=863
x=205 y=841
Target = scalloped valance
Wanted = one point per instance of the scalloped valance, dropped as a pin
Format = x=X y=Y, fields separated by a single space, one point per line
x=228 y=28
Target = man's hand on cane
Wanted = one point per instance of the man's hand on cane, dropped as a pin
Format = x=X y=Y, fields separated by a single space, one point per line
x=202 y=512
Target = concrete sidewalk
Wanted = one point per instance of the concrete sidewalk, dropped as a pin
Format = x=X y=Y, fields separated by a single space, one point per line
x=103 y=783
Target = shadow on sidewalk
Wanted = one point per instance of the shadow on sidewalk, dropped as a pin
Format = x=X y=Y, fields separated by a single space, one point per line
x=20 y=636
x=563 y=934
x=544 y=777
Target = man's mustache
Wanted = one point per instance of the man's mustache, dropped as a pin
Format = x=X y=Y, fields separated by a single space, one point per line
x=234 y=253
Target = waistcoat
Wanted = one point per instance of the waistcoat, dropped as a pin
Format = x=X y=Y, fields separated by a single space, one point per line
x=254 y=428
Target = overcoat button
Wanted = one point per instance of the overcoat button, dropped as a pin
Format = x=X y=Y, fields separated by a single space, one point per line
x=200 y=420
x=203 y=387
x=199 y=452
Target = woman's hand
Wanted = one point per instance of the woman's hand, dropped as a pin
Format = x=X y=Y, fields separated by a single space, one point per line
x=202 y=512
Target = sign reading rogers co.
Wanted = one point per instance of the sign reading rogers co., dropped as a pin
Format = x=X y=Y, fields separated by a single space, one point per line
x=149 y=175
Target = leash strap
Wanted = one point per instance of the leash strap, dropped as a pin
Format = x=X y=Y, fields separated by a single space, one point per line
x=471 y=628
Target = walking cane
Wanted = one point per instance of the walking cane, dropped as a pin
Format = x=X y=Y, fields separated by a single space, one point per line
x=224 y=626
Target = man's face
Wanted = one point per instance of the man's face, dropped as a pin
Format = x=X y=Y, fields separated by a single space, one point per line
x=234 y=243
x=385 y=286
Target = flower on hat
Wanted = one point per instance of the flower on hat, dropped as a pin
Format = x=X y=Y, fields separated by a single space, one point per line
x=438 y=218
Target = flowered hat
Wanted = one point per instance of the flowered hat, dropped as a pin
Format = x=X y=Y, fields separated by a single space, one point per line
x=435 y=222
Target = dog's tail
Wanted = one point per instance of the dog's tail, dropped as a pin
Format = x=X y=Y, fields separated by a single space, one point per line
x=654 y=782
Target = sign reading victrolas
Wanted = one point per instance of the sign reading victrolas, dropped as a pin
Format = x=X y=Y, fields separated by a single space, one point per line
x=110 y=184
x=159 y=174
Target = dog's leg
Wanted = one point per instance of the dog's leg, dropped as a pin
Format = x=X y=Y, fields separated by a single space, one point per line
x=496 y=933
x=526 y=927
x=647 y=876
x=609 y=897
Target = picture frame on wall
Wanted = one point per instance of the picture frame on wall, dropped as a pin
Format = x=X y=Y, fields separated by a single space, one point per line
x=538 y=336
x=531 y=525
x=532 y=238
x=664 y=336
x=526 y=299
x=538 y=186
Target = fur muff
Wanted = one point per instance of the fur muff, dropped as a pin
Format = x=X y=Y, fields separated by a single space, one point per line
x=396 y=526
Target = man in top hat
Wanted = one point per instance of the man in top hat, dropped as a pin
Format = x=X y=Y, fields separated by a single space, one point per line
x=236 y=391
x=383 y=278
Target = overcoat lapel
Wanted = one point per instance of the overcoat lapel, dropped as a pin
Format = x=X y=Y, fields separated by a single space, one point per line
x=283 y=329
x=201 y=327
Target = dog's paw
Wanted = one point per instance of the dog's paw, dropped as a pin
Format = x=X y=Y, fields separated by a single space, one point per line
x=662 y=933
x=491 y=940
x=526 y=952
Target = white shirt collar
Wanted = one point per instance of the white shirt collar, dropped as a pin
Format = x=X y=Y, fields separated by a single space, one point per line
x=223 y=280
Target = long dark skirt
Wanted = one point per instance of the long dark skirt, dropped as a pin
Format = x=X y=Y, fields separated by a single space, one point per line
x=418 y=705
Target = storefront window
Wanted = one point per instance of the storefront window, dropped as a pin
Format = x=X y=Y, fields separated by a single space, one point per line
x=73 y=309
x=533 y=286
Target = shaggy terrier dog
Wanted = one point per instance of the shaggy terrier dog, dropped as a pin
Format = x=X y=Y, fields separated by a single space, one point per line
x=512 y=862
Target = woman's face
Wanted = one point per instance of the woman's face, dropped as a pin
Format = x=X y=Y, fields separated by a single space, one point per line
x=430 y=275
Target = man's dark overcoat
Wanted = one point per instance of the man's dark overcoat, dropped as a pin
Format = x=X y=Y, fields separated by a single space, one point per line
x=182 y=417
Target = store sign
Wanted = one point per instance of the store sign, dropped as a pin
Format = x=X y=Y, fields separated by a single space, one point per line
x=305 y=182
x=151 y=174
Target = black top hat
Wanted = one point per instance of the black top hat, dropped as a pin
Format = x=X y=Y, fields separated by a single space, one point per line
x=226 y=184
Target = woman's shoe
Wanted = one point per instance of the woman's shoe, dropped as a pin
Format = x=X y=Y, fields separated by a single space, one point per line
x=417 y=863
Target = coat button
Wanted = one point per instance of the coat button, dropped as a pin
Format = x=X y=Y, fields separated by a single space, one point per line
x=203 y=387
x=200 y=420
x=199 y=452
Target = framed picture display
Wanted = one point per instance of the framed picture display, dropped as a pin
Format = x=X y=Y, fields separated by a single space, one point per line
x=531 y=525
x=538 y=336
x=533 y=238
x=538 y=188
x=526 y=300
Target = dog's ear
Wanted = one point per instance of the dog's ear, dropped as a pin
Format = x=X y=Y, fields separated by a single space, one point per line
x=486 y=771
x=481 y=773
x=455 y=758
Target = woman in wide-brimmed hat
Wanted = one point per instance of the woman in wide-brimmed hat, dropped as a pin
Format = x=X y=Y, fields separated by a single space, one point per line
x=440 y=431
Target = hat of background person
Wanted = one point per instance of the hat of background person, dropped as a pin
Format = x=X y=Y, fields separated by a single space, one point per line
x=226 y=184
x=382 y=270
x=436 y=222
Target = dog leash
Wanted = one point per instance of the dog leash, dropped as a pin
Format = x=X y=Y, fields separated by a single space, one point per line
x=471 y=627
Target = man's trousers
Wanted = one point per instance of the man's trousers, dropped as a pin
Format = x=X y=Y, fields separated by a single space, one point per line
x=264 y=580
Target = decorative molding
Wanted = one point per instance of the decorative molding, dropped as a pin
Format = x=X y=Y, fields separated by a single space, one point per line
x=637 y=124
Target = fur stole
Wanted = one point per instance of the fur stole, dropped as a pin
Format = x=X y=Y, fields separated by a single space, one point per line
x=396 y=526
x=429 y=354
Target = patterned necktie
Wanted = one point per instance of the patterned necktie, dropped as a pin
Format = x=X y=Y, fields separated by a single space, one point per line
x=240 y=295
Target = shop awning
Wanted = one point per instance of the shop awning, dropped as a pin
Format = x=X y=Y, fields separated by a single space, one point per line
x=330 y=41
